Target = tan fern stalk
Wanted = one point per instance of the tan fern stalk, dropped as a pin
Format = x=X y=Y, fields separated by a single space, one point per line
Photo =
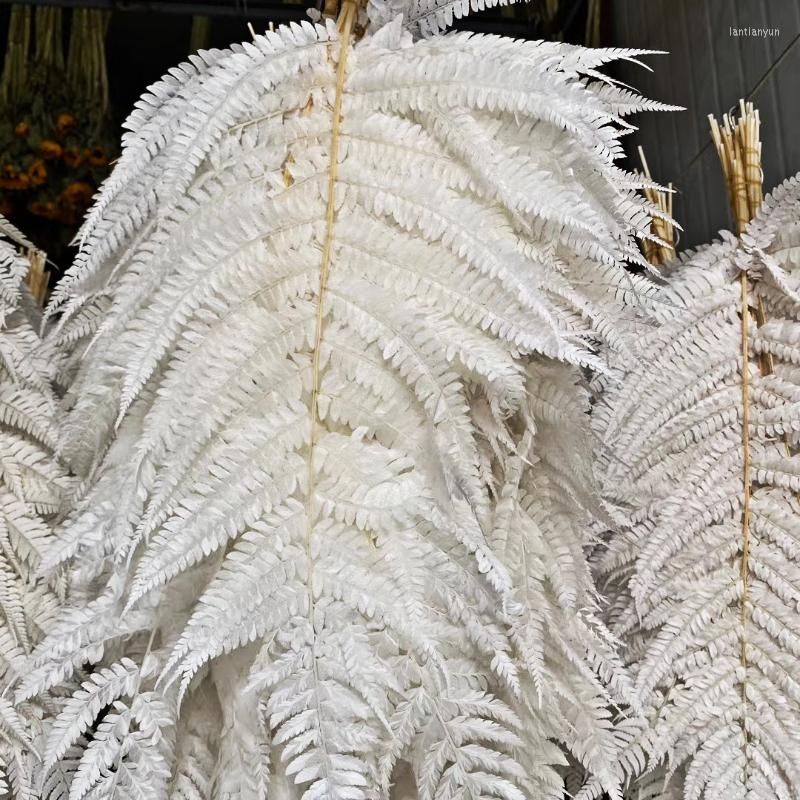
x=344 y=24
x=739 y=149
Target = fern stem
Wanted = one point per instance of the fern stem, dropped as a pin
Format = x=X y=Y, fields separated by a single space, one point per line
x=746 y=482
x=345 y=26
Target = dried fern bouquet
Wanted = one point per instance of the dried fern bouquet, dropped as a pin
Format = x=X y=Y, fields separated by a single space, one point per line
x=326 y=344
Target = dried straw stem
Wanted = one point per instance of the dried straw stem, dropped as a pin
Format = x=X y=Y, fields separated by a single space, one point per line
x=739 y=149
x=37 y=277
x=658 y=254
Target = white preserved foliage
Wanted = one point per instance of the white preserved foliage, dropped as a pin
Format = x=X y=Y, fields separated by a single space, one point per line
x=706 y=600
x=423 y=17
x=332 y=531
x=31 y=492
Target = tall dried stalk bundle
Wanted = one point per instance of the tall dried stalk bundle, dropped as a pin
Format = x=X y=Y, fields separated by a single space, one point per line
x=14 y=79
x=739 y=148
x=87 y=72
x=49 y=50
x=661 y=249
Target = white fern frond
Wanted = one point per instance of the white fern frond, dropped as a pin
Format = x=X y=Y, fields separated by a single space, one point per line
x=349 y=292
x=706 y=562
x=33 y=487
x=102 y=689
x=425 y=17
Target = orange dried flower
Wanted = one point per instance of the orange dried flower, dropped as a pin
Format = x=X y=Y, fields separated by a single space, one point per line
x=49 y=149
x=44 y=208
x=72 y=157
x=22 y=129
x=96 y=156
x=37 y=172
x=65 y=123
x=12 y=178
x=78 y=193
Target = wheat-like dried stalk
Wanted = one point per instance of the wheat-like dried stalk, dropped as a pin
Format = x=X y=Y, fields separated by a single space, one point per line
x=37 y=277
x=739 y=148
x=659 y=254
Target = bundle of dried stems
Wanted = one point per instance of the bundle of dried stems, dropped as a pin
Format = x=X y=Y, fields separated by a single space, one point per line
x=658 y=254
x=739 y=148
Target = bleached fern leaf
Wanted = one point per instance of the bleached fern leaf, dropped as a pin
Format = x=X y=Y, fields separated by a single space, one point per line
x=424 y=17
x=102 y=688
x=32 y=486
x=702 y=467
x=351 y=290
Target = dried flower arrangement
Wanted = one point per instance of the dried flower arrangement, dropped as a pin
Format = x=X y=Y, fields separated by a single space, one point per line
x=56 y=145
